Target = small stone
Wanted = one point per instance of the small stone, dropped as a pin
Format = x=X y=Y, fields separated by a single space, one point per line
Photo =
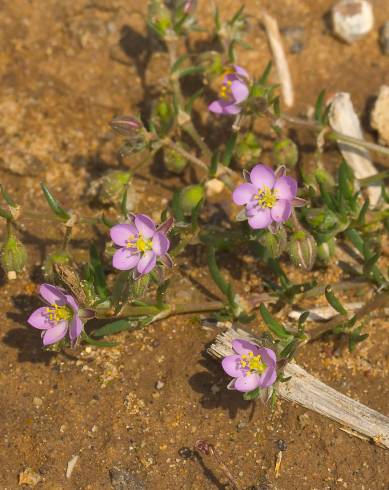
x=185 y=453
x=384 y=38
x=38 y=402
x=303 y=420
x=352 y=19
x=214 y=187
x=241 y=425
x=159 y=385
x=294 y=37
x=29 y=477
x=380 y=116
x=282 y=445
x=124 y=480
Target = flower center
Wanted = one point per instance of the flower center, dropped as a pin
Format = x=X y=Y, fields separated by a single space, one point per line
x=252 y=363
x=225 y=90
x=143 y=244
x=265 y=197
x=59 y=313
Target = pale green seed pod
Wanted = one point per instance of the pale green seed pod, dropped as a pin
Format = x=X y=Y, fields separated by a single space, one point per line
x=326 y=250
x=112 y=187
x=285 y=152
x=190 y=197
x=303 y=250
x=174 y=161
x=140 y=285
x=248 y=149
x=275 y=243
x=13 y=255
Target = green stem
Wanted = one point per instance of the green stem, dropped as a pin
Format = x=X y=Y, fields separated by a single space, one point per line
x=196 y=161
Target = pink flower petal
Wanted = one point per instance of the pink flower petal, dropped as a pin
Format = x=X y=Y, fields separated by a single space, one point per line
x=286 y=188
x=242 y=346
x=247 y=383
x=224 y=107
x=261 y=218
x=145 y=225
x=268 y=377
x=243 y=194
x=52 y=294
x=55 y=334
x=147 y=262
x=39 y=319
x=268 y=356
x=239 y=91
x=72 y=303
x=160 y=243
x=280 y=212
x=121 y=234
x=232 y=366
x=75 y=328
x=262 y=176
x=241 y=71
x=124 y=259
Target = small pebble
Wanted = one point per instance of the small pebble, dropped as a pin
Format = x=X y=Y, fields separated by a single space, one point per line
x=185 y=453
x=352 y=19
x=124 y=480
x=379 y=119
x=384 y=38
x=38 y=402
x=159 y=385
x=294 y=37
x=282 y=445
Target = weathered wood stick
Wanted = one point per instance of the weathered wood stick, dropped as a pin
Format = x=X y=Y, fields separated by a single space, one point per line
x=344 y=119
x=311 y=393
x=280 y=61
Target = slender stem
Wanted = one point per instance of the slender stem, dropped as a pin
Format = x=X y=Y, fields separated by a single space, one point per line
x=196 y=161
x=189 y=128
x=379 y=301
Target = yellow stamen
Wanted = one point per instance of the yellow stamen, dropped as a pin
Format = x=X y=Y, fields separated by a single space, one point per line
x=254 y=363
x=59 y=313
x=266 y=197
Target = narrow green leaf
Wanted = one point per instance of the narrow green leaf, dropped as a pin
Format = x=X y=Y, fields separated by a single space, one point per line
x=8 y=199
x=276 y=327
x=319 y=107
x=236 y=16
x=98 y=273
x=192 y=99
x=112 y=328
x=178 y=63
x=252 y=395
x=6 y=214
x=230 y=146
x=216 y=274
x=195 y=214
x=175 y=203
x=214 y=163
x=334 y=301
x=191 y=70
x=266 y=72
x=57 y=209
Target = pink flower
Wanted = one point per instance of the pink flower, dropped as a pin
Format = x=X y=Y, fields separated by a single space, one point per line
x=141 y=245
x=59 y=317
x=233 y=93
x=252 y=366
x=268 y=198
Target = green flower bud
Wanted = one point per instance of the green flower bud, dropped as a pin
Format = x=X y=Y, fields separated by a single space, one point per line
x=285 y=152
x=139 y=287
x=275 y=243
x=320 y=219
x=111 y=187
x=248 y=149
x=58 y=257
x=190 y=196
x=159 y=17
x=162 y=115
x=302 y=250
x=323 y=177
x=326 y=250
x=13 y=256
x=174 y=161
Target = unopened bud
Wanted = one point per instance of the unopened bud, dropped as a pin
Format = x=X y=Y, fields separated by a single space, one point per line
x=326 y=250
x=285 y=152
x=174 y=161
x=112 y=186
x=275 y=243
x=320 y=219
x=13 y=256
x=126 y=125
x=248 y=149
x=302 y=250
x=190 y=197
x=139 y=287
x=159 y=17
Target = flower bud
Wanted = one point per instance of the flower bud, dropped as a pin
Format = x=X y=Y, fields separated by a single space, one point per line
x=126 y=125
x=320 y=219
x=58 y=257
x=275 y=243
x=248 y=149
x=285 y=152
x=326 y=250
x=162 y=115
x=302 y=250
x=112 y=186
x=159 y=17
x=140 y=285
x=190 y=197
x=13 y=256
x=174 y=161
